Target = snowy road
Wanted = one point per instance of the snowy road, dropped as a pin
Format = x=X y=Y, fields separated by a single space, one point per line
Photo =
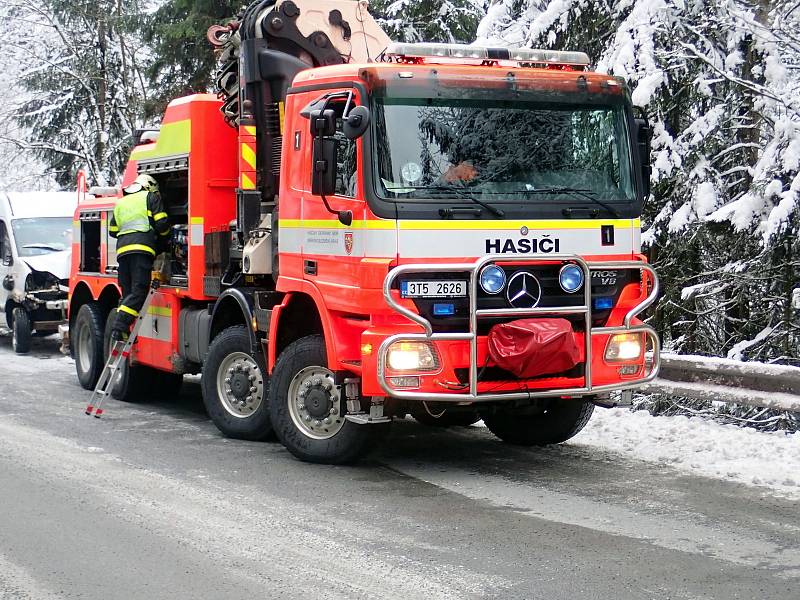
x=152 y=502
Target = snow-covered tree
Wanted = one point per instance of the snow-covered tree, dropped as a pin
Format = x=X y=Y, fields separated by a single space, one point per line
x=429 y=20
x=79 y=91
x=719 y=80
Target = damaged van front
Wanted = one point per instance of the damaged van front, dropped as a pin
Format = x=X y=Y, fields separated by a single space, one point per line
x=35 y=255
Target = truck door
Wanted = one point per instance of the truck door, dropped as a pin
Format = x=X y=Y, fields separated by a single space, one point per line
x=332 y=251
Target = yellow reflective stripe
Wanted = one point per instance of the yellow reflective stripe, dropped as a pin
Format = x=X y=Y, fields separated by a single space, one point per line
x=130 y=311
x=249 y=184
x=249 y=155
x=113 y=228
x=174 y=139
x=132 y=247
x=281 y=112
x=196 y=220
x=160 y=311
x=533 y=224
x=462 y=225
x=159 y=216
x=249 y=129
x=163 y=233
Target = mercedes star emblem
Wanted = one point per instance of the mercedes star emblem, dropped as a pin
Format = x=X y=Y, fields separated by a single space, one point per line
x=523 y=290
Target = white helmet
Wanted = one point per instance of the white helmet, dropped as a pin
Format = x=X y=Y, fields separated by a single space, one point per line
x=142 y=182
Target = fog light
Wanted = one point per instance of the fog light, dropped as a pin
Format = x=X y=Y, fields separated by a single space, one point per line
x=624 y=346
x=492 y=279
x=409 y=381
x=570 y=278
x=412 y=356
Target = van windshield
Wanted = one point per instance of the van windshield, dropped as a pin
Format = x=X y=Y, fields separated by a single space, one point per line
x=42 y=235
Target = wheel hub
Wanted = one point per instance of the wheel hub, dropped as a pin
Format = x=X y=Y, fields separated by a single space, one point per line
x=314 y=403
x=318 y=402
x=240 y=384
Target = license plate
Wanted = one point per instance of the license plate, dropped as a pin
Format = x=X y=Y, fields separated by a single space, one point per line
x=435 y=288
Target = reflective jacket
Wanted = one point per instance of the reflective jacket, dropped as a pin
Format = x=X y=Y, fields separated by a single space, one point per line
x=136 y=221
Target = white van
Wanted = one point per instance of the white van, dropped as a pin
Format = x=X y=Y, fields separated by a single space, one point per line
x=35 y=254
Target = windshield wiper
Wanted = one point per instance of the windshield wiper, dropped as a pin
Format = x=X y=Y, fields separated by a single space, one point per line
x=458 y=192
x=590 y=195
x=44 y=247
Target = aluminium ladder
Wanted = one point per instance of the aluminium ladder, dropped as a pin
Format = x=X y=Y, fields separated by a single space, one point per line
x=120 y=351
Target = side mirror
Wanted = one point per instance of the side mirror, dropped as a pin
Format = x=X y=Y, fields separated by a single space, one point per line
x=356 y=122
x=323 y=123
x=323 y=159
x=643 y=136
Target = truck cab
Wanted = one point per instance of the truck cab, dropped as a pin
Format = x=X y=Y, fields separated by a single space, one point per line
x=35 y=248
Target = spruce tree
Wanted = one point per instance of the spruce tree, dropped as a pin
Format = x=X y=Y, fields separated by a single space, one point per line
x=182 y=60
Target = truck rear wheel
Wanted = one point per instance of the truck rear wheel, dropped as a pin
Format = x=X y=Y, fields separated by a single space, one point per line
x=308 y=408
x=87 y=344
x=21 y=331
x=235 y=386
x=556 y=422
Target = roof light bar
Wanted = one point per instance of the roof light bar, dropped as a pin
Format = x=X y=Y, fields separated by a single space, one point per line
x=524 y=55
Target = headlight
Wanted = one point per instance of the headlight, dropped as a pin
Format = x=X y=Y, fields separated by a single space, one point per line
x=570 y=278
x=412 y=356
x=492 y=279
x=624 y=346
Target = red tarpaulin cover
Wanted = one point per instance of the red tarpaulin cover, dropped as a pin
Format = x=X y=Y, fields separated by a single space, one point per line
x=532 y=347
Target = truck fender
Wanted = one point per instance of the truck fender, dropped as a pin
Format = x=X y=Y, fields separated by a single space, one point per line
x=245 y=303
x=314 y=294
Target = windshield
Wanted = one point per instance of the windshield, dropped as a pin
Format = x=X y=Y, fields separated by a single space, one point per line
x=502 y=151
x=42 y=235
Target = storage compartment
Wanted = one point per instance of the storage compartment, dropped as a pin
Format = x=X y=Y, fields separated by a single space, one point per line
x=90 y=242
x=174 y=188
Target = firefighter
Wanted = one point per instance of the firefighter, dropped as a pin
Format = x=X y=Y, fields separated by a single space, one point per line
x=137 y=223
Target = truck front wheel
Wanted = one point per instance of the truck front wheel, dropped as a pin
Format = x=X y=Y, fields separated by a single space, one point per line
x=235 y=385
x=554 y=422
x=308 y=408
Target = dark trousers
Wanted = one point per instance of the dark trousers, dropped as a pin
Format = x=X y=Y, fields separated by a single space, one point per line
x=134 y=276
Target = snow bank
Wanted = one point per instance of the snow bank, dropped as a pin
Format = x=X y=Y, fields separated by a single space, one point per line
x=699 y=447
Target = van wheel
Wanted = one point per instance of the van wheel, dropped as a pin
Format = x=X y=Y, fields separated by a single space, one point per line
x=235 y=386
x=552 y=423
x=87 y=343
x=308 y=408
x=21 y=331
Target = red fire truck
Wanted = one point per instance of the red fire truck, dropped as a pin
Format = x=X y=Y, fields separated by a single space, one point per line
x=362 y=230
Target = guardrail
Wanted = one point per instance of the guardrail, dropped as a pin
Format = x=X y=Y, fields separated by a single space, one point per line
x=723 y=380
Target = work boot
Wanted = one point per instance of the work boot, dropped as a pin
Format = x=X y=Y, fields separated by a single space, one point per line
x=118 y=335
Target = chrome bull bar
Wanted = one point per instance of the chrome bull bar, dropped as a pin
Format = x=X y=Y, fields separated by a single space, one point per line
x=474 y=269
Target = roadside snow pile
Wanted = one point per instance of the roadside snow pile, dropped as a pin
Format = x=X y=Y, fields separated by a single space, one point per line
x=700 y=447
